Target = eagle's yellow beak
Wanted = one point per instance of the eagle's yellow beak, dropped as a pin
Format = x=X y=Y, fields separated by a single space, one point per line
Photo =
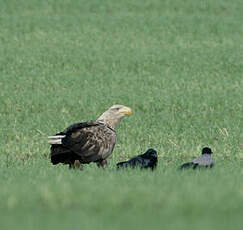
x=125 y=110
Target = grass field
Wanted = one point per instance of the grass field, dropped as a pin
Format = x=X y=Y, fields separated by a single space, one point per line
x=177 y=64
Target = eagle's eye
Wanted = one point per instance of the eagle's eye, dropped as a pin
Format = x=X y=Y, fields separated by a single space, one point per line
x=116 y=109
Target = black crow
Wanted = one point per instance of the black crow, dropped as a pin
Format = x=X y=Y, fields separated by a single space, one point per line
x=147 y=160
x=203 y=161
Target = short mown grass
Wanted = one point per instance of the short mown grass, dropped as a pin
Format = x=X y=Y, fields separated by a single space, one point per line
x=177 y=64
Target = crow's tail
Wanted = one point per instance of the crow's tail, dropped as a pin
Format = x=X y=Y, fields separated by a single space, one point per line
x=122 y=165
x=187 y=165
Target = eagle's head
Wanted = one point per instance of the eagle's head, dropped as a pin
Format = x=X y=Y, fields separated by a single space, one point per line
x=114 y=115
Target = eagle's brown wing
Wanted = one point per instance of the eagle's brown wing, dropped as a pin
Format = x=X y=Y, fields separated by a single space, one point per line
x=86 y=141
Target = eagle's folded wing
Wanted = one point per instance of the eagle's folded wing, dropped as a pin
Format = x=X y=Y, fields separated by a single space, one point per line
x=90 y=141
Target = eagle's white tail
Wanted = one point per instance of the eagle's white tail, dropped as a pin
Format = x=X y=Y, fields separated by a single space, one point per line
x=55 y=140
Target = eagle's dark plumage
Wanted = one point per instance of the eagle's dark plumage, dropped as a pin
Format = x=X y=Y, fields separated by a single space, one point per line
x=205 y=160
x=85 y=142
x=147 y=160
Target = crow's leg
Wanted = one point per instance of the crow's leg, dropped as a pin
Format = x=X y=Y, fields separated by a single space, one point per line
x=195 y=166
x=102 y=163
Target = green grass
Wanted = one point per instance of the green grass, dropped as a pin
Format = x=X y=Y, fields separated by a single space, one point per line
x=177 y=64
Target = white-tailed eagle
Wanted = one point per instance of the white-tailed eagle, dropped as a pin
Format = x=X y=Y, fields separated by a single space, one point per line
x=86 y=142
